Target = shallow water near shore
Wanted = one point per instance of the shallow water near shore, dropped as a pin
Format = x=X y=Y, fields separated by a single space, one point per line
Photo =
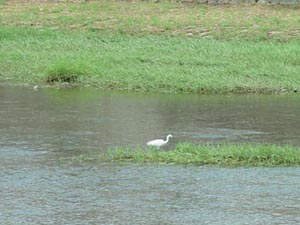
x=38 y=128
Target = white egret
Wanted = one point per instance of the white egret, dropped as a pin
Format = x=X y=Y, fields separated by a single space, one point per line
x=159 y=142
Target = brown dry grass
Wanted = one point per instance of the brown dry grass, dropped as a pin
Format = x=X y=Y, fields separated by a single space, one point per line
x=254 y=22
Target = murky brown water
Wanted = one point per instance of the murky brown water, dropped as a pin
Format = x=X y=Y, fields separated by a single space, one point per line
x=37 y=128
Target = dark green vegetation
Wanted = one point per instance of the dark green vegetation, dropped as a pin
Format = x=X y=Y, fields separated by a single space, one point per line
x=147 y=46
x=224 y=155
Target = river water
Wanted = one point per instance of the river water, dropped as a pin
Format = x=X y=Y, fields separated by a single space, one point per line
x=38 y=128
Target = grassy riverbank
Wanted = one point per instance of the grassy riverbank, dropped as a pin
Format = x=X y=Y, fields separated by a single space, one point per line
x=223 y=155
x=164 y=47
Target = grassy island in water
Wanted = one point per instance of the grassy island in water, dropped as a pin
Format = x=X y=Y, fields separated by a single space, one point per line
x=222 y=155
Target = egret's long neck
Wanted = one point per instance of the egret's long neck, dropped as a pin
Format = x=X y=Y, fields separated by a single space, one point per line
x=167 y=140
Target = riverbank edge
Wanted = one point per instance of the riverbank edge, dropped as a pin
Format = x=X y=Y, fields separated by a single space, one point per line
x=203 y=154
x=166 y=74
x=47 y=46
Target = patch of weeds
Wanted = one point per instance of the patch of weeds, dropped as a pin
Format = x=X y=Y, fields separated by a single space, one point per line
x=66 y=71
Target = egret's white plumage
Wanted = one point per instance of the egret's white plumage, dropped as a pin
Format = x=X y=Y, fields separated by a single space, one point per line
x=159 y=142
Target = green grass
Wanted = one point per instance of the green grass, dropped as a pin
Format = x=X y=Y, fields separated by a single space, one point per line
x=65 y=70
x=223 y=155
x=147 y=63
x=142 y=46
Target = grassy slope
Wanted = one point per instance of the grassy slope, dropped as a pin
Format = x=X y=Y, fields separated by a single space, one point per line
x=142 y=46
x=225 y=155
x=252 y=22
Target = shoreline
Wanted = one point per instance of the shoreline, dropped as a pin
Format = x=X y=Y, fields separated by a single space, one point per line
x=214 y=50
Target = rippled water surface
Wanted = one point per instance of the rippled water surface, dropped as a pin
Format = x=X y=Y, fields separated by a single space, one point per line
x=38 y=128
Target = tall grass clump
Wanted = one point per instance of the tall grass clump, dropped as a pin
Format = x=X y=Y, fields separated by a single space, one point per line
x=66 y=71
x=224 y=155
